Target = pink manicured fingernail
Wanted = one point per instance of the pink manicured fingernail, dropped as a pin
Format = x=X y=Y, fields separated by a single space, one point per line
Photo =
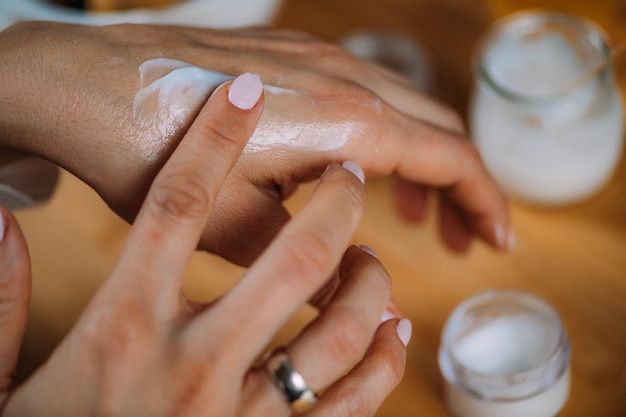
x=355 y=169
x=404 y=329
x=387 y=315
x=368 y=250
x=504 y=241
x=2 y=226
x=245 y=91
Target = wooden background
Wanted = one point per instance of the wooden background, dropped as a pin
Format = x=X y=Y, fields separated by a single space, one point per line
x=574 y=257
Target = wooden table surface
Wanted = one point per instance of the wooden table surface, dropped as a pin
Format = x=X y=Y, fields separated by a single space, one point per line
x=574 y=257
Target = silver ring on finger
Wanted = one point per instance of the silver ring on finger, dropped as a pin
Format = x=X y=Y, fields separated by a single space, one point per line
x=289 y=381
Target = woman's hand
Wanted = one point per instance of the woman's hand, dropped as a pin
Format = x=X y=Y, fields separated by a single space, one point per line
x=76 y=96
x=141 y=349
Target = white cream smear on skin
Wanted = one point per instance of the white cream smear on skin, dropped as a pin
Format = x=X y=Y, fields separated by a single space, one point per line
x=171 y=92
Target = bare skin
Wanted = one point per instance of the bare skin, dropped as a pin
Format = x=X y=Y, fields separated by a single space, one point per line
x=68 y=96
x=141 y=349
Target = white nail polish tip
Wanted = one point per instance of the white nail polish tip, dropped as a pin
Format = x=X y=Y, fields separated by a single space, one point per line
x=387 y=315
x=404 y=329
x=355 y=169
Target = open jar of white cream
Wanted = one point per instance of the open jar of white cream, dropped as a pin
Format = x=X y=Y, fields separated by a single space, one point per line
x=547 y=133
x=505 y=353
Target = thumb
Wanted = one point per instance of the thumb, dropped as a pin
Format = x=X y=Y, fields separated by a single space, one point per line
x=15 y=286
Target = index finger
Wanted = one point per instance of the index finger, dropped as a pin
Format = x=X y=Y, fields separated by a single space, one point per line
x=291 y=270
x=434 y=157
x=177 y=207
x=428 y=147
x=430 y=156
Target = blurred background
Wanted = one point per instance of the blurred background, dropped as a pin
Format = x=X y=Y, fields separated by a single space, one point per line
x=574 y=256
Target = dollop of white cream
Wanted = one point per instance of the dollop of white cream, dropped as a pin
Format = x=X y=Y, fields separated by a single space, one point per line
x=165 y=102
x=171 y=92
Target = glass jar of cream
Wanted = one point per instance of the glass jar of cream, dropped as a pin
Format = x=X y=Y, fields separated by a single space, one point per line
x=548 y=127
x=505 y=353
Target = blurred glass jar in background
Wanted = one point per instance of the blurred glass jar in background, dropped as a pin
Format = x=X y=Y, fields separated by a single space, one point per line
x=606 y=13
x=203 y=13
x=542 y=140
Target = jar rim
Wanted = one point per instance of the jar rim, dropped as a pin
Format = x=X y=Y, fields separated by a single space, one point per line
x=556 y=361
x=533 y=17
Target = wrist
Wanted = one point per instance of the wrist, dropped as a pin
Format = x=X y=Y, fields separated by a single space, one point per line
x=61 y=101
x=20 y=95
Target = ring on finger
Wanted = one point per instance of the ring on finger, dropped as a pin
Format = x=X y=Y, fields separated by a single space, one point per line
x=289 y=381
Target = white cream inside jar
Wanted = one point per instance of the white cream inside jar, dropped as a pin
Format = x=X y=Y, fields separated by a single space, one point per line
x=544 y=141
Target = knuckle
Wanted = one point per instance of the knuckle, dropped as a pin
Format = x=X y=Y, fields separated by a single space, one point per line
x=180 y=196
x=323 y=49
x=359 y=94
x=368 y=107
x=457 y=124
x=452 y=120
x=192 y=358
x=195 y=373
x=120 y=335
x=471 y=156
x=311 y=257
x=358 y=404
x=394 y=362
x=222 y=140
x=347 y=339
